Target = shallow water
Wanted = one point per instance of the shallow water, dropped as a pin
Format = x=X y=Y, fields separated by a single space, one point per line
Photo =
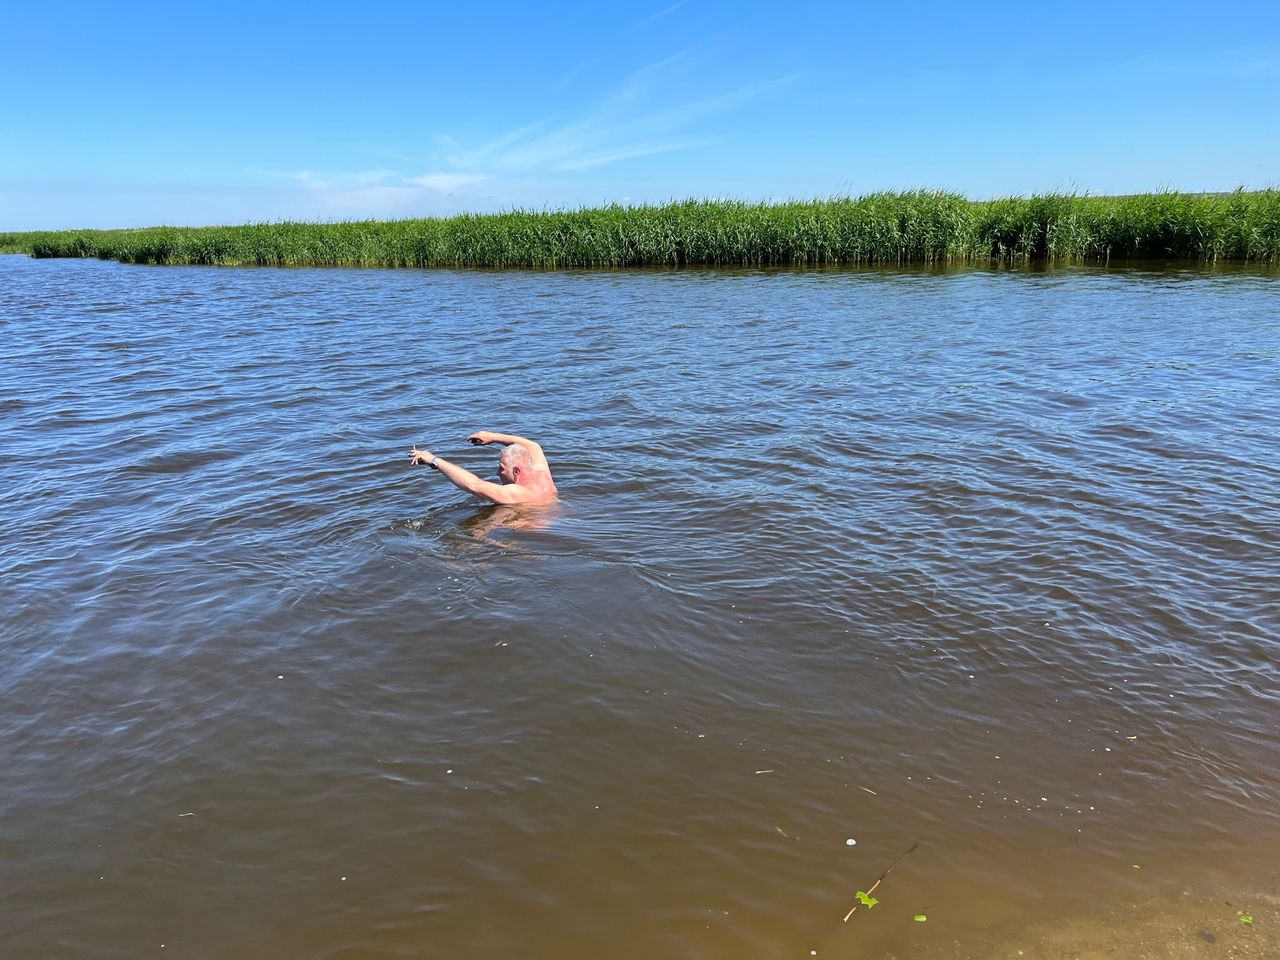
x=982 y=560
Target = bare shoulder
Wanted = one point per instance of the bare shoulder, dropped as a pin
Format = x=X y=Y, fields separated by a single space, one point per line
x=537 y=454
x=540 y=492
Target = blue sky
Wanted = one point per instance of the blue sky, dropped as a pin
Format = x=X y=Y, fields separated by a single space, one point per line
x=177 y=113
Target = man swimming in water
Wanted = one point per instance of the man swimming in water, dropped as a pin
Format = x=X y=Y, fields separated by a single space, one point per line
x=526 y=477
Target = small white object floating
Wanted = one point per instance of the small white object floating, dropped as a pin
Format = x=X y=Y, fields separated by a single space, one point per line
x=851 y=842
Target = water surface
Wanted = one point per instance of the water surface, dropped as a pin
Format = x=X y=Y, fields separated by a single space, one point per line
x=982 y=560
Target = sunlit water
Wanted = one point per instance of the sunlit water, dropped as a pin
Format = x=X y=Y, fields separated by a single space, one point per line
x=985 y=561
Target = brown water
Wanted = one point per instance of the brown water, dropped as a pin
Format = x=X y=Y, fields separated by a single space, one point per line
x=985 y=561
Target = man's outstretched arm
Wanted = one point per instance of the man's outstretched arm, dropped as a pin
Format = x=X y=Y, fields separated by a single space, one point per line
x=464 y=479
x=506 y=439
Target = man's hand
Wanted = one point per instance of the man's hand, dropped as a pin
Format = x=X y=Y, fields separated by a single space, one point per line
x=482 y=438
x=417 y=456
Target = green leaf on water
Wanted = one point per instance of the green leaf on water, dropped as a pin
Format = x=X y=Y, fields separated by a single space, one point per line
x=866 y=899
x=1246 y=919
x=920 y=918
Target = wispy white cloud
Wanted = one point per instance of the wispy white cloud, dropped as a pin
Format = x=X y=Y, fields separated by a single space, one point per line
x=498 y=152
x=627 y=152
x=683 y=114
x=357 y=178
x=637 y=118
x=513 y=141
x=661 y=13
x=574 y=72
x=644 y=83
x=377 y=193
x=445 y=182
x=643 y=114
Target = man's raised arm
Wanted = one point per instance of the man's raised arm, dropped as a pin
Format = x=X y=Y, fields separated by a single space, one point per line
x=506 y=439
x=464 y=479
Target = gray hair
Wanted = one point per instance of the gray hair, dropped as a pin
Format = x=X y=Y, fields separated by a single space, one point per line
x=517 y=455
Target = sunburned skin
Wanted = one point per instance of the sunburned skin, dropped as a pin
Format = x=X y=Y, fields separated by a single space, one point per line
x=522 y=468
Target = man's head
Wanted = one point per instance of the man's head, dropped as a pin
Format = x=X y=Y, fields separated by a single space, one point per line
x=515 y=463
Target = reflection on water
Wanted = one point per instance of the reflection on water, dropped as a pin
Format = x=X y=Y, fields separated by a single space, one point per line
x=488 y=521
x=983 y=560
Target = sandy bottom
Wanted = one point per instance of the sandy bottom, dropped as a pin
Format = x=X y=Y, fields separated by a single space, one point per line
x=1185 y=926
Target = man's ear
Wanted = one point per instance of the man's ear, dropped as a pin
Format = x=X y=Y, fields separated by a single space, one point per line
x=515 y=474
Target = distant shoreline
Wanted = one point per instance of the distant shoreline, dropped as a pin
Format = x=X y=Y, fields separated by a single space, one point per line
x=914 y=227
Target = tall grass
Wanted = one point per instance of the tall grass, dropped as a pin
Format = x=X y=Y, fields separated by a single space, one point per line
x=880 y=228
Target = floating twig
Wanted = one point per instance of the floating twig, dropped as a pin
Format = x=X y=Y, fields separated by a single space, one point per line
x=865 y=897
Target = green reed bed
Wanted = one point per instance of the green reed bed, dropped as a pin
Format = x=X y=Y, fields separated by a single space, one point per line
x=880 y=228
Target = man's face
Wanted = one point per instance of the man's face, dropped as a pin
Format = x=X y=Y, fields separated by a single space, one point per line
x=505 y=472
